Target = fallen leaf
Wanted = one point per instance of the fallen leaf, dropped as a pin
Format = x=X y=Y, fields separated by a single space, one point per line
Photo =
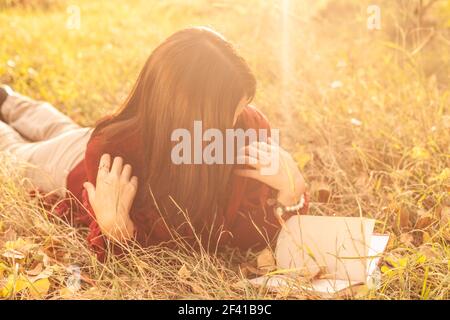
x=361 y=181
x=446 y=234
x=445 y=216
x=424 y=221
x=443 y=176
x=20 y=245
x=13 y=285
x=36 y=270
x=13 y=254
x=265 y=260
x=420 y=153
x=46 y=273
x=386 y=270
x=184 y=272
x=3 y=268
x=302 y=158
x=322 y=191
x=407 y=239
x=39 y=288
x=10 y=235
x=403 y=218
x=426 y=238
x=15 y=244
x=421 y=259
x=196 y=288
x=403 y=262
x=66 y=293
x=428 y=251
x=247 y=269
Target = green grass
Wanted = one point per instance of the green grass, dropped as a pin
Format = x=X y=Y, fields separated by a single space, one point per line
x=365 y=113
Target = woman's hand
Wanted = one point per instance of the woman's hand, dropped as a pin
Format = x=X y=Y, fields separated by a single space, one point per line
x=112 y=197
x=286 y=178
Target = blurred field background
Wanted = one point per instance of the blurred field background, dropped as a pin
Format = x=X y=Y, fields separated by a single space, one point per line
x=364 y=112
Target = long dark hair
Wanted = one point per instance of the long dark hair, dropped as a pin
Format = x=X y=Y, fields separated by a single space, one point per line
x=195 y=74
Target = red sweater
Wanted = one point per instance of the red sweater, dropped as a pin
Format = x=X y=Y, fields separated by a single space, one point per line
x=247 y=209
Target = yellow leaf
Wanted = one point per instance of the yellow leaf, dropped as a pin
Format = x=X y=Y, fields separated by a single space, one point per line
x=302 y=159
x=421 y=259
x=386 y=270
x=443 y=176
x=403 y=262
x=93 y=293
x=3 y=267
x=66 y=293
x=420 y=153
x=17 y=249
x=361 y=291
x=15 y=244
x=426 y=238
x=39 y=288
x=392 y=262
x=13 y=285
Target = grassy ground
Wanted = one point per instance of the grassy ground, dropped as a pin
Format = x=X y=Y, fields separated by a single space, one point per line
x=365 y=112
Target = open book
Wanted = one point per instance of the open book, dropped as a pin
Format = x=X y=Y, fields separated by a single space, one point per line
x=328 y=255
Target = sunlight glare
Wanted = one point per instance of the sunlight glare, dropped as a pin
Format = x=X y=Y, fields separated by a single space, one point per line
x=285 y=58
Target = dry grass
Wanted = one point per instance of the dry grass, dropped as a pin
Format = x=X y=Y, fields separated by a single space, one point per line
x=366 y=114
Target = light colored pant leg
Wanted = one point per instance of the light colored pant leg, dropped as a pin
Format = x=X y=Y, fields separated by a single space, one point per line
x=35 y=120
x=47 y=162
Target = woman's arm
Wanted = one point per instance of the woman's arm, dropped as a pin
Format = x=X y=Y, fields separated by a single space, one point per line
x=112 y=198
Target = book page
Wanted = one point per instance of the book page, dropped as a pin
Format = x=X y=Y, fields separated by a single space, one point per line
x=338 y=245
x=282 y=283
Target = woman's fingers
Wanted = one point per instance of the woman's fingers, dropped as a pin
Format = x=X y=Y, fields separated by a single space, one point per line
x=248 y=160
x=104 y=165
x=257 y=153
x=253 y=162
x=128 y=193
x=117 y=170
x=117 y=166
x=134 y=182
x=105 y=161
x=133 y=186
x=126 y=173
x=90 y=191
x=265 y=146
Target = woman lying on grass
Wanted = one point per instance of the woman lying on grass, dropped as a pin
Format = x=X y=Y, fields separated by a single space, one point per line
x=122 y=172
